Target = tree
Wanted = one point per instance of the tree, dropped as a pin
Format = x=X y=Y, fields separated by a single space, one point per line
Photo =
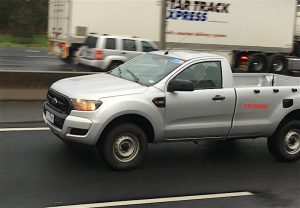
x=24 y=18
x=5 y=7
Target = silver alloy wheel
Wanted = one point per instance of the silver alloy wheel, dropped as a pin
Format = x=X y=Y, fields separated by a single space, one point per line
x=292 y=142
x=277 y=66
x=126 y=147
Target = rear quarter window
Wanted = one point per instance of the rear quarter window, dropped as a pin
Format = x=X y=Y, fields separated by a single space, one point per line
x=110 y=43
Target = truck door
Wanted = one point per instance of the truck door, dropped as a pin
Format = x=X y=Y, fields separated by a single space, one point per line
x=205 y=112
x=58 y=27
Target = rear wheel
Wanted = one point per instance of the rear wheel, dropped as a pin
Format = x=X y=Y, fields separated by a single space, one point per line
x=74 y=52
x=124 y=147
x=70 y=59
x=284 y=145
x=278 y=64
x=258 y=63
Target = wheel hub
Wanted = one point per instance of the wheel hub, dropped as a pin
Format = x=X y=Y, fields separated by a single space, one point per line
x=258 y=66
x=126 y=147
x=277 y=66
x=292 y=142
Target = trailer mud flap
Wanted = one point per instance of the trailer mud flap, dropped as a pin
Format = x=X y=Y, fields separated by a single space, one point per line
x=65 y=52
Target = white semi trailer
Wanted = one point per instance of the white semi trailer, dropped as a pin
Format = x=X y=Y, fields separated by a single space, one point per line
x=255 y=35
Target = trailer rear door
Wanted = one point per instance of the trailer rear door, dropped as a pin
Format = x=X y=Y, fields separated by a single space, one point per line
x=58 y=27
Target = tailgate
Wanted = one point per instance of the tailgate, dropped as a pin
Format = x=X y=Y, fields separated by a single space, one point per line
x=90 y=47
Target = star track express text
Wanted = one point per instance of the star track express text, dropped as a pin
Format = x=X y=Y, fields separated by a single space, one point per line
x=193 y=10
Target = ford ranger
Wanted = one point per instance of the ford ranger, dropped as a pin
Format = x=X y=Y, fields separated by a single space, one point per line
x=174 y=96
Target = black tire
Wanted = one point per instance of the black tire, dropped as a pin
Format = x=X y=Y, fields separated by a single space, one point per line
x=124 y=147
x=70 y=57
x=113 y=65
x=258 y=63
x=278 y=64
x=284 y=145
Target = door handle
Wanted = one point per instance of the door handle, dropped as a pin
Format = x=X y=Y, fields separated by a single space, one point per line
x=123 y=53
x=218 y=97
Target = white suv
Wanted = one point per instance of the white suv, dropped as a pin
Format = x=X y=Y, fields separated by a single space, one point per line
x=109 y=51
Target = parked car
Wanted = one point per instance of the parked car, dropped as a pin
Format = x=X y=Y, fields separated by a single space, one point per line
x=109 y=51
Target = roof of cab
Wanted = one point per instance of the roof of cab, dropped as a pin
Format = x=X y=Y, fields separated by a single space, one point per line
x=186 y=54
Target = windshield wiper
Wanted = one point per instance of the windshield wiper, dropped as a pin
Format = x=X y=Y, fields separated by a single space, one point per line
x=136 y=79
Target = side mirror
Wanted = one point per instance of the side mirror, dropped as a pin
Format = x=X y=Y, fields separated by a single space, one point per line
x=180 y=85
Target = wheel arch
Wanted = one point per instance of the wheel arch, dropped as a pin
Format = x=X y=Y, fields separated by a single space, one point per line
x=137 y=119
x=113 y=58
x=291 y=116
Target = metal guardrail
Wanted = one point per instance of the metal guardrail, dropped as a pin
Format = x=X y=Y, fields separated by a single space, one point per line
x=30 y=85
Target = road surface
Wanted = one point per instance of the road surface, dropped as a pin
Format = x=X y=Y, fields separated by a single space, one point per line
x=36 y=59
x=39 y=170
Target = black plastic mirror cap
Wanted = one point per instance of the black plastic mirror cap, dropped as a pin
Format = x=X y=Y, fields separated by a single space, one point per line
x=180 y=85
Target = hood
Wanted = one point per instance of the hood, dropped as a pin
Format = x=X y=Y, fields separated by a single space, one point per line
x=96 y=86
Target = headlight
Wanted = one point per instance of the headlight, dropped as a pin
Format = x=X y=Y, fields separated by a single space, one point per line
x=85 y=105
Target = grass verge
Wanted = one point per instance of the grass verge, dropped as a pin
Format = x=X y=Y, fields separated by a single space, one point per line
x=37 y=41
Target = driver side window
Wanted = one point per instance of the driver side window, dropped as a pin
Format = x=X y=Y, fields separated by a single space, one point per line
x=204 y=75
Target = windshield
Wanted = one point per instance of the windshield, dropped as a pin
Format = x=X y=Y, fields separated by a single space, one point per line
x=147 y=69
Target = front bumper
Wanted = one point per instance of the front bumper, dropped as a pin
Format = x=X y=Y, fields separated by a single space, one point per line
x=72 y=127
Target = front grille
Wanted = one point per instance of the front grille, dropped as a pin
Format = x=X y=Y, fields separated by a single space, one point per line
x=59 y=102
x=59 y=122
x=59 y=118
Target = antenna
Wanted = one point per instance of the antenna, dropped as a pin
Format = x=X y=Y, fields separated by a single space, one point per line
x=167 y=52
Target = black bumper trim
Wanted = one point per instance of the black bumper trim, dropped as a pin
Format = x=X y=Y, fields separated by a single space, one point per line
x=59 y=118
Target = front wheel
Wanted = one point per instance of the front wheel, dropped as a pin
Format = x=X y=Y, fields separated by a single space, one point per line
x=124 y=147
x=285 y=144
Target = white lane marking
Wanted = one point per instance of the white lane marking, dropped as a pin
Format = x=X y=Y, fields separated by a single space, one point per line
x=46 y=72
x=4 y=64
x=157 y=200
x=33 y=51
x=24 y=129
x=50 y=57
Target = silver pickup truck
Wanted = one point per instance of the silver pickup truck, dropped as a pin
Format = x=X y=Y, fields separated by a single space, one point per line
x=174 y=96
